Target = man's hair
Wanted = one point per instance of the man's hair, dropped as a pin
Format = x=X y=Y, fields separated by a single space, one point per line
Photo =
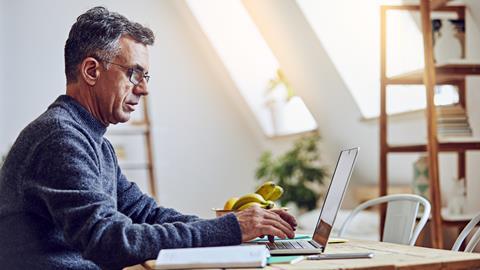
x=96 y=34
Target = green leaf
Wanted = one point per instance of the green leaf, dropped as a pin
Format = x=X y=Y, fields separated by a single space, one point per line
x=296 y=171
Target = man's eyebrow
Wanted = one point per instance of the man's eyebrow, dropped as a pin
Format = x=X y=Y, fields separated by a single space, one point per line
x=142 y=69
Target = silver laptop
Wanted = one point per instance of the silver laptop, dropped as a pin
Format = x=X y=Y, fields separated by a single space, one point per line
x=331 y=205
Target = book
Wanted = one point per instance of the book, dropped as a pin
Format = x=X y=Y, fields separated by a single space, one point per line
x=452 y=121
x=453 y=125
x=450 y=109
x=244 y=256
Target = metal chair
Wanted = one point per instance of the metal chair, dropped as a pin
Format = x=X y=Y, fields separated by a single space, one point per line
x=400 y=219
x=465 y=232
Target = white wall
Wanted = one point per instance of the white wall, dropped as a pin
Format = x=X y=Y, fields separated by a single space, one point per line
x=315 y=78
x=34 y=55
x=474 y=7
x=206 y=140
x=204 y=150
x=2 y=80
x=473 y=84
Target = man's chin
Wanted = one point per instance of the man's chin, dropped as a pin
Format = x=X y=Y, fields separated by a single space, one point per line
x=125 y=117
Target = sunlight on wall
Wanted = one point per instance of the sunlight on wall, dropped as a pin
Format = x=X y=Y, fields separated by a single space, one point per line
x=349 y=30
x=251 y=65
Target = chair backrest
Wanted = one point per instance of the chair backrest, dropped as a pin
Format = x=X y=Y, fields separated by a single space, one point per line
x=465 y=232
x=400 y=218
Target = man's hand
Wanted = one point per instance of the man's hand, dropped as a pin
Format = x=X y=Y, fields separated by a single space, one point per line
x=256 y=221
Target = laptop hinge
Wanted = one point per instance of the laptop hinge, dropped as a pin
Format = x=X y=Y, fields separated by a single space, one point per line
x=317 y=245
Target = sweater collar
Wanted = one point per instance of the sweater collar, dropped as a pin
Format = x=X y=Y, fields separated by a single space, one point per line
x=84 y=117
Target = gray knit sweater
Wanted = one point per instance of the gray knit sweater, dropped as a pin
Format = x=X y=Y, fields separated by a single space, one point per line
x=65 y=204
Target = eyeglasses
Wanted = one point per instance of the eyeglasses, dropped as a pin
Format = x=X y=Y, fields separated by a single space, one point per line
x=135 y=75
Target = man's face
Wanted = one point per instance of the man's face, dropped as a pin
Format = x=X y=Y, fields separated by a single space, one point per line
x=116 y=96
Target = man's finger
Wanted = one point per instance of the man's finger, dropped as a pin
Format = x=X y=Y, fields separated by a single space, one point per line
x=271 y=238
x=286 y=216
x=274 y=216
x=272 y=231
x=279 y=223
x=287 y=230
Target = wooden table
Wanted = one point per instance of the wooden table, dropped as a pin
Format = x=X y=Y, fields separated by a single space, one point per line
x=387 y=257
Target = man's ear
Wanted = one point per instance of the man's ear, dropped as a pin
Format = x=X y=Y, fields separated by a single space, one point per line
x=90 y=70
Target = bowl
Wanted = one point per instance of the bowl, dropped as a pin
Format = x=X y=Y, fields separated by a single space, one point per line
x=220 y=212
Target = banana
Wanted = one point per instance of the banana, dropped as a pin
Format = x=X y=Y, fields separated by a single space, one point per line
x=265 y=189
x=251 y=197
x=250 y=204
x=275 y=194
x=266 y=205
x=270 y=205
x=229 y=203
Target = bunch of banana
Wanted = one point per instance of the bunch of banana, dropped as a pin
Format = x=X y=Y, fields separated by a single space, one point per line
x=270 y=191
x=263 y=197
x=251 y=199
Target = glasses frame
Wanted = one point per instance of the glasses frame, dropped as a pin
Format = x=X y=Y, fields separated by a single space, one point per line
x=130 y=72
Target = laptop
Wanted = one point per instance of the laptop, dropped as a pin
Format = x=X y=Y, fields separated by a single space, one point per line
x=331 y=205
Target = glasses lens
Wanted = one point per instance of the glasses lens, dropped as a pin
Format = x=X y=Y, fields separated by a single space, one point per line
x=134 y=77
x=137 y=76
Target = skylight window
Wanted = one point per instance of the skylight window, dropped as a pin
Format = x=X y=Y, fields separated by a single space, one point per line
x=251 y=65
x=349 y=30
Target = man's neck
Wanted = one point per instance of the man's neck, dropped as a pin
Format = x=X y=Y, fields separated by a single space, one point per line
x=83 y=96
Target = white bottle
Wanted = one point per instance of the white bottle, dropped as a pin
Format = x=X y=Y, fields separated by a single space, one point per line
x=447 y=46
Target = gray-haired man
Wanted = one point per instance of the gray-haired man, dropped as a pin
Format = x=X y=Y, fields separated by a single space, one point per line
x=64 y=202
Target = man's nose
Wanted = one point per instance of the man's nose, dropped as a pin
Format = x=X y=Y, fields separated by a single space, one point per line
x=141 y=88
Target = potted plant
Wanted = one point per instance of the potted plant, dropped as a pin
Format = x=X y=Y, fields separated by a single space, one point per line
x=278 y=94
x=298 y=171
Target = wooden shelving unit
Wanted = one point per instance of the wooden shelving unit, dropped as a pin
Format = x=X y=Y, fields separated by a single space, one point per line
x=443 y=146
x=134 y=129
x=448 y=73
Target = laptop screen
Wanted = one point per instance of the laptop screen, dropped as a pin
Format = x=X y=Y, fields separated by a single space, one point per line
x=335 y=194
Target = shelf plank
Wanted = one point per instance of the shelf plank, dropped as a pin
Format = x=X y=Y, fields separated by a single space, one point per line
x=445 y=73
x=443 y=146
x=455 y=7
x=436 y=4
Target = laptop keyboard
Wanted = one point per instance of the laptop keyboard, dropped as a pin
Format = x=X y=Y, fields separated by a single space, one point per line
x=290 y=245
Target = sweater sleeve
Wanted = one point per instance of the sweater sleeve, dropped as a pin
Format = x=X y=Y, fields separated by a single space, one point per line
x=66 y=183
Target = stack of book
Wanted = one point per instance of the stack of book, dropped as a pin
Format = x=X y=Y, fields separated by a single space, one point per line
x=452 y=121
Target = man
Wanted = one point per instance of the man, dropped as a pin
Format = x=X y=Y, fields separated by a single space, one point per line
x=64 y=202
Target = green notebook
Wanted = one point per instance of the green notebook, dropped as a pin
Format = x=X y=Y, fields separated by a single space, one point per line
x=284 y=259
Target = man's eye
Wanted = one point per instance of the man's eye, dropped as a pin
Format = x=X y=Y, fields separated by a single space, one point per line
x=138 y=75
